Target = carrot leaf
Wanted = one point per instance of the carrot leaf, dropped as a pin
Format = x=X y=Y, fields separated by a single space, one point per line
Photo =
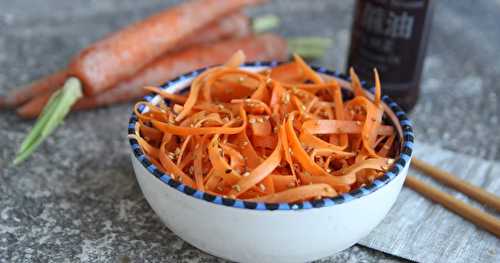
x=265 y=23
x=309 y=47
x=52 y=116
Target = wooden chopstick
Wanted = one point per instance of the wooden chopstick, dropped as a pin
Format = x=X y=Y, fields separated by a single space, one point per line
x=448 y=179
x=474 y=215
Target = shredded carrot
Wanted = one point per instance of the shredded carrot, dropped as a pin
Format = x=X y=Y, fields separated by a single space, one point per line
x=282 y=135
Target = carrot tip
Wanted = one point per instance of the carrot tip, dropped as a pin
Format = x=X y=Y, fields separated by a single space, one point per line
x=2 y=102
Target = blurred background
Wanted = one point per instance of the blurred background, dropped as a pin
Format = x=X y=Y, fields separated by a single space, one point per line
x=98 y=213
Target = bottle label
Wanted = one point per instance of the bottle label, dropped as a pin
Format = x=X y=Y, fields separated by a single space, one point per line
x=387 y=35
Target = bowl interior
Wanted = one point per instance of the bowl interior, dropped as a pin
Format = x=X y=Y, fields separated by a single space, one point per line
x=394 y=116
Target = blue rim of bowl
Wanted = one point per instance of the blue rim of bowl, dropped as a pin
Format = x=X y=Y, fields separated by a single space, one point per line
x=403 y=158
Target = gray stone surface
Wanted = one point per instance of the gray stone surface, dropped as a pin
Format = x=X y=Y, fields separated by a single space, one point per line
x=77 y=199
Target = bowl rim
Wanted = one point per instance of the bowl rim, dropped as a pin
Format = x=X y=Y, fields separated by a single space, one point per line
x=399 y=164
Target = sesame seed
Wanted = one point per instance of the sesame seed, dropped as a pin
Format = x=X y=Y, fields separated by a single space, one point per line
x=286 y=98
x=237 y=187
x=358 y=123
x=245 y=174
x=241 y=79
x=260 y=120
x=262 y=187
x=252 y=121
x=177 y=151
x=220 y=106
x=306 y=173
x=390 y=161
x=177 y=108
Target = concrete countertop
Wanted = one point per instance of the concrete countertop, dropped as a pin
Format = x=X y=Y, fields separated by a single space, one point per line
x=77 y=198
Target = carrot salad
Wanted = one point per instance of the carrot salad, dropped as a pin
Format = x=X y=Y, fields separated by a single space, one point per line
x=284 y=134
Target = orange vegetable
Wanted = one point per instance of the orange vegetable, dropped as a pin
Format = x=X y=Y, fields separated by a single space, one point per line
x=45 y=85
x=282 y=140
x=232 y=26
x=119 y=55
x=170 y=65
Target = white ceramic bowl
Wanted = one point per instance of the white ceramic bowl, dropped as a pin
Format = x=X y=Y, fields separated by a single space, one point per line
x=258 y=232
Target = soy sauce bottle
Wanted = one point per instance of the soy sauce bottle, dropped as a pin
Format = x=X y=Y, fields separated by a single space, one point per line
x=392 y=36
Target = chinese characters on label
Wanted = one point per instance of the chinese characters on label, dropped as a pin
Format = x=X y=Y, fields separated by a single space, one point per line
x=391 y=36
x=387 y=23
x=383 y=31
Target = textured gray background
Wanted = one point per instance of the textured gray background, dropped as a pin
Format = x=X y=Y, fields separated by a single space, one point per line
x=77 y=199
x=421 y=230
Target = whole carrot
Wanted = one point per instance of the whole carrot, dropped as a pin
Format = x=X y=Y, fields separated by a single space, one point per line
x=106 y=62
x=121 y=54
x=232 y=26
x=262 y=47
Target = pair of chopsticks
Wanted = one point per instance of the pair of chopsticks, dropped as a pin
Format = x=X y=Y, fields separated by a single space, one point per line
x=474 y=215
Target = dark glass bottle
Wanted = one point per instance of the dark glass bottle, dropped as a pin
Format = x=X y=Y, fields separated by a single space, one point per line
x=392 y=36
